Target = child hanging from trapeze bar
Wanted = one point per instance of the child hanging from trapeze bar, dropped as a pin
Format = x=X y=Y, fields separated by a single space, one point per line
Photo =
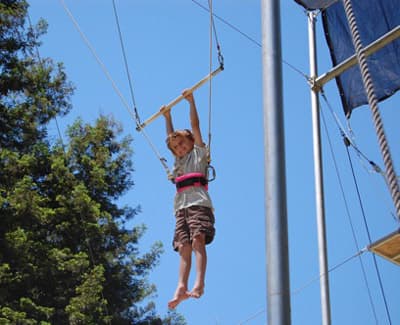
x=194 y=227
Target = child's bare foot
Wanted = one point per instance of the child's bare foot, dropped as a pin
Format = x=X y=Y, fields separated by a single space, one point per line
x=197 y=292
x=180 y=295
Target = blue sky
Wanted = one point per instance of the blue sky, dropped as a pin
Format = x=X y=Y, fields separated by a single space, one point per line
x=167 y=47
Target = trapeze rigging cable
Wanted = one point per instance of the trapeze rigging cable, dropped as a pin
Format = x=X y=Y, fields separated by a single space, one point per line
x=126 y=62
x=251 y=39
x=140 y=126
x=349 y=139
x=93 y=51
x=212 y=31
x=373 y=103
x=349 y=217
x=210 y=87
x=116 y=89
x=90 y=250
x=390 y=177
x=135 y=114
x=370 y=241
x=347 y=144
x=316 y=278
x=42 y=66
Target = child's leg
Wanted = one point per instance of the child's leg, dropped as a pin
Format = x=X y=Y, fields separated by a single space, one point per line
x=199 y=248
x=181 y=293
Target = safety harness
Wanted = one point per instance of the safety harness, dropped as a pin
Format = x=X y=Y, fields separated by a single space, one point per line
x=189 y=180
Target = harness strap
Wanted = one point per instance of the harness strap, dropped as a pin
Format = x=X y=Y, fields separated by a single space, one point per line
x=189 y=180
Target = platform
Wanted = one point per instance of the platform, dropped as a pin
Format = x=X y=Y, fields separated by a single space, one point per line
x=388 y=247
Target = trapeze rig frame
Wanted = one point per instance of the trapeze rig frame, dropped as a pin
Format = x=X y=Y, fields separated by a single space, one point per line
x=388 y=247
x=168 y=107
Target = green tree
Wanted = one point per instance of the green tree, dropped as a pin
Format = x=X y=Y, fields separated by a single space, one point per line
x=66 y=253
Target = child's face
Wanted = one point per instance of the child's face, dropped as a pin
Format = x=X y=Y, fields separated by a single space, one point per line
x=181 y=145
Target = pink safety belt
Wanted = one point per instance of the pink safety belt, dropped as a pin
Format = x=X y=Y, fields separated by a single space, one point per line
x=189 y=180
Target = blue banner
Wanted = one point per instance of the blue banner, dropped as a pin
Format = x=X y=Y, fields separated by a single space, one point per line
x=374 y=19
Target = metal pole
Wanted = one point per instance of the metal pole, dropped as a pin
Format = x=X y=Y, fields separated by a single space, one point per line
x=375 y=46
x=278 y=288
x=318 y=174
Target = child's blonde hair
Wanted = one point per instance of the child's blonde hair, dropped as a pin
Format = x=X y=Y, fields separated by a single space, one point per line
x=179 y=133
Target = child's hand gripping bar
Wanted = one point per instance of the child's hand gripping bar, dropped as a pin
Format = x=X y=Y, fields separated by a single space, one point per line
x=178 y=99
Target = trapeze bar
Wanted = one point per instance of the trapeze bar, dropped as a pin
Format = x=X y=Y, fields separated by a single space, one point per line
x=178 y=99
x=351 y=61
x=388 y=247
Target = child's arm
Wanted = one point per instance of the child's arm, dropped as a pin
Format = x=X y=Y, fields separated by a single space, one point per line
x=194 y=118
x=168 y=120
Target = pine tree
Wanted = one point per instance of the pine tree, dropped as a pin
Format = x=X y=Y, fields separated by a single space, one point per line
x=66 y=253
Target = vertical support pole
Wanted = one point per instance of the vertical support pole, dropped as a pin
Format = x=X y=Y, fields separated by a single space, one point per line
x=318 y=175
x=278 y=288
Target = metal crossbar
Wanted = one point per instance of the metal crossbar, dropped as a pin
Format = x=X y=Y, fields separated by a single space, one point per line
x=179 y=98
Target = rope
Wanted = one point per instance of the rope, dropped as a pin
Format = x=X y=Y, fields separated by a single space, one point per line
x=347 y=144
x=349 y=218
x=349 y=139
x=212 y=31
x=373 y=103
x=362 y=157
x=228 y=24
x=329 y=271
x=210 y=82
x=135 y=115
x=370 y=241
x=93 y=51
x=252 y=317
x=252 y=40
x=316 y=278
x=90 y=250
x=42 y=66
x=118 y=92
x=162 y=160
x=126 y=63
